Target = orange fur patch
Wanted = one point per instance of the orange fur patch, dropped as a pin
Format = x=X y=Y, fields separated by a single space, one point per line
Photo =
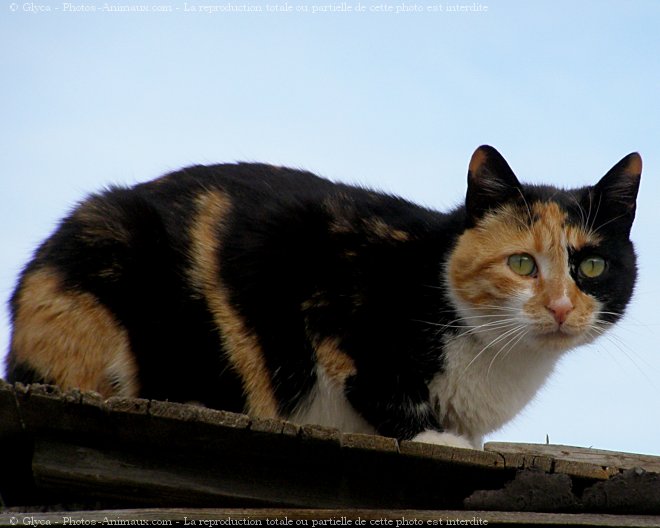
x=481 y=278
x=336 y=363
x=346 y=220
x=241 y=345
x=383 y=230
x=70 y=338
x=634 y=167
x=478 y=159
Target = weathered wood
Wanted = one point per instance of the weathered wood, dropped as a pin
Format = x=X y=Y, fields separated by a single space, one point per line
x=151 y=453
x=575 y=461
x=138 y=477
x=323 y=435
x=267 y=425
x=335 y=517
x=164 y=452
x=290 y=429
x=468 y=457
x=137 y=406
x=15 y=449
x=47 y=409
x=10 y=421
x=369 y=442
x=153 y=476
x=194 y=413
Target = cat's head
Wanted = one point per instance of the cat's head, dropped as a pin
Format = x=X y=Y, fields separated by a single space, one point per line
x=543 y=265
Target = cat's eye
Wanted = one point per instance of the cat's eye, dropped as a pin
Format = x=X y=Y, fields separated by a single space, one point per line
x=592 y=267
x=522 y=264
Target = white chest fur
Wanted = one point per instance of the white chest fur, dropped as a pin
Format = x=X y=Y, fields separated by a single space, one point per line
x=472 y=396
x=480 y=390
x=328 y=406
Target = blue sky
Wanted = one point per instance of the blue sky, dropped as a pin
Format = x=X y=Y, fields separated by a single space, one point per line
x=394 y=101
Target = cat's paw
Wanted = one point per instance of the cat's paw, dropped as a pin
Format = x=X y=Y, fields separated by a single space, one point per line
x=444 y=439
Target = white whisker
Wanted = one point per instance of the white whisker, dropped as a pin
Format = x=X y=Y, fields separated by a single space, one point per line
x=491 y=343
x=509 y=346
x=600 y=330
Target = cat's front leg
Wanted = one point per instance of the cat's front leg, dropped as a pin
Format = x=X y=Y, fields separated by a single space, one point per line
x=405 y=414
x=445 y=439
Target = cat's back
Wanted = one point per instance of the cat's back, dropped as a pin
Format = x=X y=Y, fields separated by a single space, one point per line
x=139 y=286
x=163 y=211
x=241 y=183
x=118 y=288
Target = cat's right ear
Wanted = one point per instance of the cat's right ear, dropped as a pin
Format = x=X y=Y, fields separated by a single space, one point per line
x=491 y=182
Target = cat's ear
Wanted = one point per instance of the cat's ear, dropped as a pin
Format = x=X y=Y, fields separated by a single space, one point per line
x=614 y=196
x=491 y=182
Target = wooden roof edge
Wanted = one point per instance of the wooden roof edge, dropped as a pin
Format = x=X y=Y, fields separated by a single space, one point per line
x=43 y=407
x=572 y=459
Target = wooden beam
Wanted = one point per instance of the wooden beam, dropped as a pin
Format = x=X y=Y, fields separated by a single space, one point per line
x=574 y=461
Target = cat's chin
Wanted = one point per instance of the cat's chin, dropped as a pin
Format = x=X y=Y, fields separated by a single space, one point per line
x=560 y=340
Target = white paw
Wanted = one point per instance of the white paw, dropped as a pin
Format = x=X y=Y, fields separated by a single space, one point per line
x=445 y=439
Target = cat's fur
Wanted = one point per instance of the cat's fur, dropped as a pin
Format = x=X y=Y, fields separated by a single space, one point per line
x=272 y=291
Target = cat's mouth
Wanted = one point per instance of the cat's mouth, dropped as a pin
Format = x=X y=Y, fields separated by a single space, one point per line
x=565 y=329
x=561 y=335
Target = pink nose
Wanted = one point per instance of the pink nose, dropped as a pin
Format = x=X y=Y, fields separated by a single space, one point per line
x=560 y=308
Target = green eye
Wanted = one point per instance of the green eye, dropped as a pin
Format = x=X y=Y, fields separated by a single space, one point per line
x=592 y=267
x=522 y=264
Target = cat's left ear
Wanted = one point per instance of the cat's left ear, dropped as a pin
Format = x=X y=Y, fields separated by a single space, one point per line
x=615 y=195
x=491 y=183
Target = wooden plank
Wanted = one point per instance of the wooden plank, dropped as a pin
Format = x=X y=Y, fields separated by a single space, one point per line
x=174 y=425
x=194 y=413
x=162 y=452
x=369 y=442
x=290 y=429
x=10 y=421
x=310 y=471
x=314 y=518
x=267 y=425
x=307 y=475
x=322 y=435
x=577 y=461
x=16 y=450
x=143 y=477
x=138 y=406
x=584 y=469
x=45 y=408
x=467 y=457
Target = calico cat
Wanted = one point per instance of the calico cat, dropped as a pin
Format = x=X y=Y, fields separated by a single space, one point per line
x=272 y=291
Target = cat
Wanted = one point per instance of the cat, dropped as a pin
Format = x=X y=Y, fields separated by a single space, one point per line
x=272 y=291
